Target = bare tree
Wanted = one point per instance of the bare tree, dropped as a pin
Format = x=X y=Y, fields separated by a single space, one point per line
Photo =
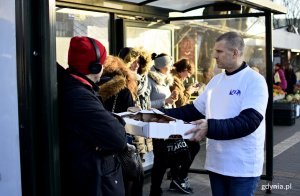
x=293 y=14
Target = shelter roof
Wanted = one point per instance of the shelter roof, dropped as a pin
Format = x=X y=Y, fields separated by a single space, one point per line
x=188 y=5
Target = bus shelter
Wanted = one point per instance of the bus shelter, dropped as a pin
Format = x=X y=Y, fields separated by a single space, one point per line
x=178 y=27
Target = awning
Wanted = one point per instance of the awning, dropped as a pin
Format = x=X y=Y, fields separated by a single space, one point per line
x=188 y=5
x=285 y=40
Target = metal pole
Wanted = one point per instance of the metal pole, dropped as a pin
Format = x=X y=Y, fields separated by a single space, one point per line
x=269 y=113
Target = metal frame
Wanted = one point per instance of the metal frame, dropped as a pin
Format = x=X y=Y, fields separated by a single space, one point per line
x=36 y=72
x=146 y=2
x=116 y=7
x=269 y=113
x=218 y=16
x=37 y=91
x=262 y=5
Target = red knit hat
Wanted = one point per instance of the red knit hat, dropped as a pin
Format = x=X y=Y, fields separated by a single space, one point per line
x=82 y=53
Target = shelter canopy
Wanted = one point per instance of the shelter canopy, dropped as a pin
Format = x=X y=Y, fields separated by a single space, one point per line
x=184 y=5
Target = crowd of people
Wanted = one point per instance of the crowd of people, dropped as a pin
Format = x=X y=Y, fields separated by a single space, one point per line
x=95 y=86
x=285 y=77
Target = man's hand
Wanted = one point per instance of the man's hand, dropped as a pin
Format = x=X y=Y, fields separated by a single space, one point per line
x=134 y=109
x=199 y=131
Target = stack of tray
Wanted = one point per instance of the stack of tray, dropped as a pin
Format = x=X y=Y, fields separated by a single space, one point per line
x=284 y=113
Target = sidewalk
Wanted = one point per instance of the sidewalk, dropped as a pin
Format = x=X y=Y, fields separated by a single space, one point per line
x=286 y=167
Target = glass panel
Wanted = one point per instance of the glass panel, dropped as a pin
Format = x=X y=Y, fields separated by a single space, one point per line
x=179 y=5
x=72 y=22
x=154 y=40
x=195 y=40
x=182 y=4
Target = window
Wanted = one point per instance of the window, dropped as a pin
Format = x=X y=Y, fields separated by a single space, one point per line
x=73 y=22
x=195 y=40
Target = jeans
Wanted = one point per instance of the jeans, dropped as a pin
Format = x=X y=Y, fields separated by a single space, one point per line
x=232 y=186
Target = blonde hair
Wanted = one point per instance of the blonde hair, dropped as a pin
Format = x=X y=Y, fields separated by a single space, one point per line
x=131 y=56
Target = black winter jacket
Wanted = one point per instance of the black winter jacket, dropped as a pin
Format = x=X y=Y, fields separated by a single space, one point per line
x=114 y=90
x=90 y=136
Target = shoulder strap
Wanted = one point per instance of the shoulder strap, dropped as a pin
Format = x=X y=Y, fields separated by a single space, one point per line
x=114 y=104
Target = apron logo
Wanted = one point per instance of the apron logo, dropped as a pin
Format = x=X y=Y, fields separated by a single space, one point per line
x=235 y=92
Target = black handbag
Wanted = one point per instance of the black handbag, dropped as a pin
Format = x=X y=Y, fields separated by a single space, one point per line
x=131 y=163
x=130 y=159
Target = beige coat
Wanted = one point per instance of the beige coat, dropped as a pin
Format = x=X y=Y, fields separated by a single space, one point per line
x=183 y=95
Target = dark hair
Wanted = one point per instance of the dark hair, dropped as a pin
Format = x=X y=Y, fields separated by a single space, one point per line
x=183 y=65
x=279 y=65
x=233 y=39
x=154 y=55
x=142 y=63
x=124 y=52
x=129 y=54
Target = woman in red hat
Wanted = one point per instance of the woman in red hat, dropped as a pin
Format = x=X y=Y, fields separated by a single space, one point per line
x=90 y=135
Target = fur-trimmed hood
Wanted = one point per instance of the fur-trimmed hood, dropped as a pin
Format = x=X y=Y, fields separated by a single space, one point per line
x=112 y=86
x=132 y=54
x=160 y=78
x=116 y=76
x=145 y=62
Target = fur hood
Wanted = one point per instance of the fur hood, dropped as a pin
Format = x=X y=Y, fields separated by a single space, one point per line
x=160 y=78
x=112 y=87
x=145 y=62
x=117 y=77
x=142 y=55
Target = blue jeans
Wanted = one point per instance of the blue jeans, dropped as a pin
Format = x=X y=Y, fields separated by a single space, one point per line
x=232 y=186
